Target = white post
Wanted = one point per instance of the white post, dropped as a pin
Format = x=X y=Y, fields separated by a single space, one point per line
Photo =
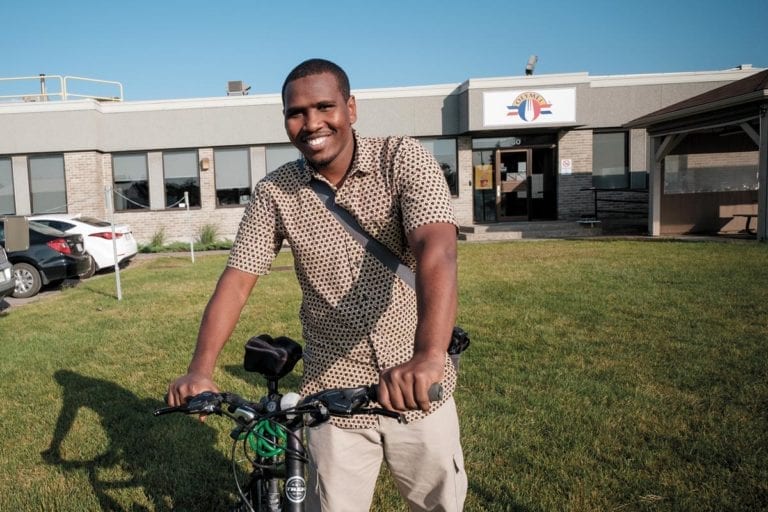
x=111 y=209
x=192 y=236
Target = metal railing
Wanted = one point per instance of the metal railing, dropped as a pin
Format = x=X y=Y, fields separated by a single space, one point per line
x=40 y=91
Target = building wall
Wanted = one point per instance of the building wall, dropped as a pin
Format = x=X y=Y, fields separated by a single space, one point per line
x=86 y=132
x=180 y=224
x=572 y=201
x=463 y=203
x=86 y=183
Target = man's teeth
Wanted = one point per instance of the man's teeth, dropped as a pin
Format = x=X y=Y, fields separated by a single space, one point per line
x=317 y=141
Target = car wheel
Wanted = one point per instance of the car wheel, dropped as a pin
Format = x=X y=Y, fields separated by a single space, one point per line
x=28 y=280
x=91 y=268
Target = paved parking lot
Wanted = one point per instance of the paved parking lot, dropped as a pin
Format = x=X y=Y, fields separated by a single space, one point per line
x=8 y=303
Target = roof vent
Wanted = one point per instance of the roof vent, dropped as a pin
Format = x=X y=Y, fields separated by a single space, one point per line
x=237 y=88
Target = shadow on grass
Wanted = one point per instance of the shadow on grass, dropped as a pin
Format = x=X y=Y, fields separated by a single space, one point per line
x=149 y=463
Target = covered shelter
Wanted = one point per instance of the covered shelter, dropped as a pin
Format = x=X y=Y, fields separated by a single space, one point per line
x=708 y=161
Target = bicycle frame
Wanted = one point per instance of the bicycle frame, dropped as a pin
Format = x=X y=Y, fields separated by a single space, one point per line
x=266 y=479
x=275 y=462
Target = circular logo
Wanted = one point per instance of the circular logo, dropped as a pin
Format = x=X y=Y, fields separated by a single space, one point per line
x=528 y=106
x=295 y=489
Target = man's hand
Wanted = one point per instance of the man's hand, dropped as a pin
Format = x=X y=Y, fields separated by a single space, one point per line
x=406 y=387
x=188 y=386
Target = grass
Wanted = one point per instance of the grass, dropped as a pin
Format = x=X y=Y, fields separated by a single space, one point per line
x=602 y=375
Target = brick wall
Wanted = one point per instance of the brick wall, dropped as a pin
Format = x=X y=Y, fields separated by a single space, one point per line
x=572 y=202
x=87 y=175
x=83 y=174
x=463 y=203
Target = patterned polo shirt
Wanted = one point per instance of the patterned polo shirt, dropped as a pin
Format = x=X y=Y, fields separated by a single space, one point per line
x=357 y=317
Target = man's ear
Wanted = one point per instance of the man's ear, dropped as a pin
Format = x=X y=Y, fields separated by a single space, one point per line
x=352 y=107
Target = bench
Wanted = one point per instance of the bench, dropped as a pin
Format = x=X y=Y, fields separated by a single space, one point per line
x=591 y=223
x=749 y=217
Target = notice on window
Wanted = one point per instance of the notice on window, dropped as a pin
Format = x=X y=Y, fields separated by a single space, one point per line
x=484 y=177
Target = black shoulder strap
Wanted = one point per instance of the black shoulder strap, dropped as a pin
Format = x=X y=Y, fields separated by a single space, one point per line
x=370 y=244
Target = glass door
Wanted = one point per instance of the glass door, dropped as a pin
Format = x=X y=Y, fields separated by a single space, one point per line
x=513 y=184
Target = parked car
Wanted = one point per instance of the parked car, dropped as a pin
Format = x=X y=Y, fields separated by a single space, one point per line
x=7 y=283
x=52 y=256
x=97 y=235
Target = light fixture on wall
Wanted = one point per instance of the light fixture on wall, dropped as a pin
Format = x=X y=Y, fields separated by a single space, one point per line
x=205 y=164
x=532 y=60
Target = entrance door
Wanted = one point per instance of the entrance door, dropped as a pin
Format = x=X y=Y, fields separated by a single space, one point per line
x=525 y=184
x=513 y=184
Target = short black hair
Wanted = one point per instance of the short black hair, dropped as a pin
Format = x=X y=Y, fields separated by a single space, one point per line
x=316 y=67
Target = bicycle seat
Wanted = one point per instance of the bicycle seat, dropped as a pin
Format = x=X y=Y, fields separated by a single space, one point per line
x=272 y=358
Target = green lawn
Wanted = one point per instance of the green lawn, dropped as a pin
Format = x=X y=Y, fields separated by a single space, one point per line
x=603 y=375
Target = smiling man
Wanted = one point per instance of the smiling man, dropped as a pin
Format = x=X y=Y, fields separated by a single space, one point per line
x=361 y=323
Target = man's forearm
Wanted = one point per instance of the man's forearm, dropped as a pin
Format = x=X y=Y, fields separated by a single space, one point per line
x=436 y=289
x=219 y=319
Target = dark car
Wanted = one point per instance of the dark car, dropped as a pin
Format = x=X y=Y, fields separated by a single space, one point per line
x=52 y=256
x=6 y=275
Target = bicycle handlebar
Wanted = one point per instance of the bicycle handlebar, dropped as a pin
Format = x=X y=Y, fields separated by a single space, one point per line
x=332 y=402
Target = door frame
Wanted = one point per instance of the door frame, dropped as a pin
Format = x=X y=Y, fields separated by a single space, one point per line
x=500 y=217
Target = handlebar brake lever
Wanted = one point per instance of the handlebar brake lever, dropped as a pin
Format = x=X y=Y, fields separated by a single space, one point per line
x=207 y=402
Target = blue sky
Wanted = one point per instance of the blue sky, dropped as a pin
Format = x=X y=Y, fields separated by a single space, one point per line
x=183 y=49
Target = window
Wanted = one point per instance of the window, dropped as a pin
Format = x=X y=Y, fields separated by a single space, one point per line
x=180 y=171
x=278 y=154
x=233 y=176
x=7 y=203
x=444 y=151
x=131 y=181
x=610 y=160
x=710 y=172
x=46 y=184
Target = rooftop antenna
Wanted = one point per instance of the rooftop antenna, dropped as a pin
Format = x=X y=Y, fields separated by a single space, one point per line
x=532 y=60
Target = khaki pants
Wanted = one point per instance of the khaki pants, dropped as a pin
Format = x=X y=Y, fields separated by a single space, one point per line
x=424 y=458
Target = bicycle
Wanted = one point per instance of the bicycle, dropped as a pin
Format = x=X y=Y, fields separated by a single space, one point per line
x=271 y=430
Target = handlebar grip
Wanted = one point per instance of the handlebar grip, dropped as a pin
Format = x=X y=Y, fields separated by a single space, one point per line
x=165 y=410
x=435 y=392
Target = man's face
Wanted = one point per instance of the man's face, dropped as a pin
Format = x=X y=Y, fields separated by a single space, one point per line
x=319 y=121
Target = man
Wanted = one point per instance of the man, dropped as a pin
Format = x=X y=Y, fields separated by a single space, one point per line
x=361 y=324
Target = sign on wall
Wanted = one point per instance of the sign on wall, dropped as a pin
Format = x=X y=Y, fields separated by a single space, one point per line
x=529 y=107
x=484 y=177
x=566 y=166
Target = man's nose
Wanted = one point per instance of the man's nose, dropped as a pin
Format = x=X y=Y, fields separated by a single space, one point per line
x=312 y=120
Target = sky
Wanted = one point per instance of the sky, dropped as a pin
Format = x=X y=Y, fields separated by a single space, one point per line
x=171 y=49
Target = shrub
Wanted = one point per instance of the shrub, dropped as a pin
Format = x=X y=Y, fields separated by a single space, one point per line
x=158 y=239
x=207 y=235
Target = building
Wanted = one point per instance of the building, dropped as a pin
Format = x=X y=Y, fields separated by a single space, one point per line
x=516 y=151
x=710 y=157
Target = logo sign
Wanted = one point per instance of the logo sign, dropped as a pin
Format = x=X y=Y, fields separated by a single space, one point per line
x=295 y=489
x=529 y=107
